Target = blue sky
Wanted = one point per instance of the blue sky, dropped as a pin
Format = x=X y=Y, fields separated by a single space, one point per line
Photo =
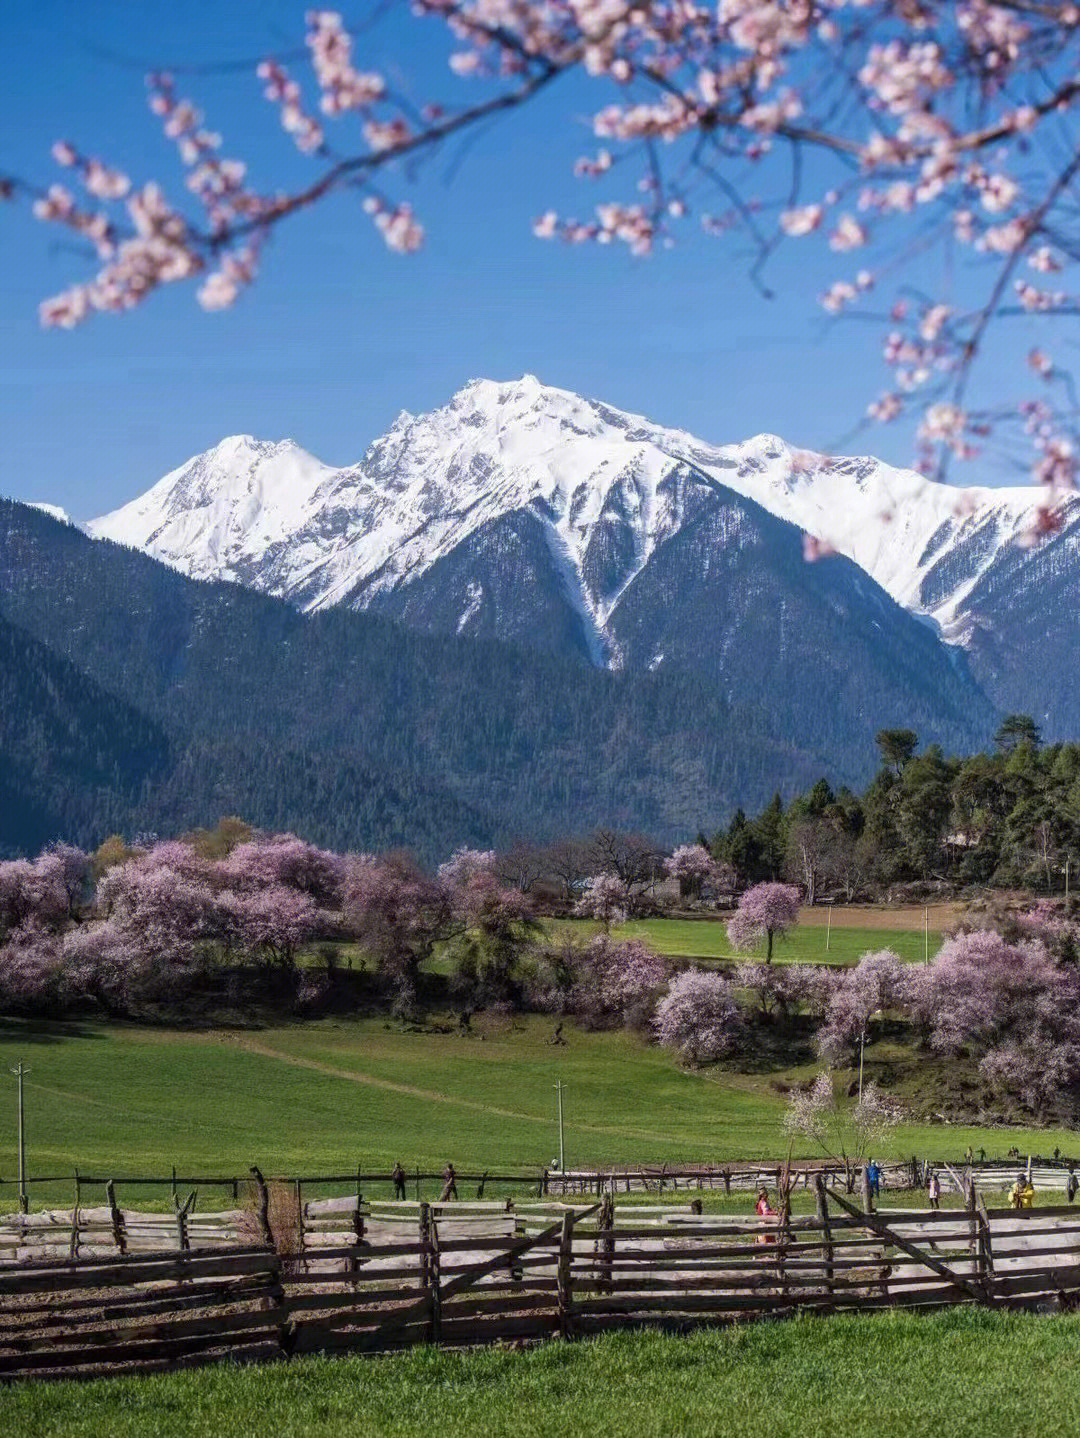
x=339 y=334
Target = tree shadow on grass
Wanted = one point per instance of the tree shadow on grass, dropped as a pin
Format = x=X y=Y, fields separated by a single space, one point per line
x=44 y=1031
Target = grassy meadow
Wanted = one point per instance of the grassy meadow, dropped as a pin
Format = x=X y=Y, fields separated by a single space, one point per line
x=841 y=937
x=331 y=1094
x=962 y=1372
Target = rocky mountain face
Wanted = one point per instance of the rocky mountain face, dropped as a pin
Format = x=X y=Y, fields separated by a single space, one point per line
x=528 y=514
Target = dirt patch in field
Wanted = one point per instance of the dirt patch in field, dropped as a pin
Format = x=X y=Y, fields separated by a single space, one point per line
x=907 y=919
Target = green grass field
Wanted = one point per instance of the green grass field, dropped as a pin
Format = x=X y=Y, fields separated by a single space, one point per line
x=809 y=943
x=962 y=1372
x=328 y=1095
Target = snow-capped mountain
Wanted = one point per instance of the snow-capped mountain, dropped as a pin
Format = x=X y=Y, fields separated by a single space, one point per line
x=526 y=512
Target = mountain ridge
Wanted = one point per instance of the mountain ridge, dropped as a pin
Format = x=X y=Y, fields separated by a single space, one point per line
x=271 y=514
x=523 y=511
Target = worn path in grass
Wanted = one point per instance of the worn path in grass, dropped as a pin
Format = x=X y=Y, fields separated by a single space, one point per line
x=962 y=1373
x=327 y=1095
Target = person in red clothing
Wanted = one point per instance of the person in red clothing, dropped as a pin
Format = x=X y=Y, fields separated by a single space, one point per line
x=766 y=1213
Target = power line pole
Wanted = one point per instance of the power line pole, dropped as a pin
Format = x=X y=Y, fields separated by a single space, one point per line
x=558 y=1110
x=20 y=1071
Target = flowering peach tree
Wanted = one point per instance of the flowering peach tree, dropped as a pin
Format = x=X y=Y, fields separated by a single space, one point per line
x=930 y=145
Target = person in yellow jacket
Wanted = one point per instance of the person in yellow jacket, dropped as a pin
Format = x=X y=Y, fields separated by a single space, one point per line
x=1022 y=1193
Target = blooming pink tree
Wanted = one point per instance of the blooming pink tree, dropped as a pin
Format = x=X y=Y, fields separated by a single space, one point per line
x=1008 y=1005
x=30 y=968
x=938 y=130
x=765 y=912
x=165 y=896
x=776 y=988
x=699 y=1016
x=497 y=921
x=608 y=983
x=878 y=982
x=398 y=913
x=605 y=898
x=48 y=890
x=273 y=923
x=286 y=861
x=463 y=864
x=696 y=870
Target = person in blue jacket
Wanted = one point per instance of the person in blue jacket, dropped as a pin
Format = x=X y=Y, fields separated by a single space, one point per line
x=873 y=1179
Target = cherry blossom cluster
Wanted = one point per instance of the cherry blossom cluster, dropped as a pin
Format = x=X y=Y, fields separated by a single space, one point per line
x=946 y=131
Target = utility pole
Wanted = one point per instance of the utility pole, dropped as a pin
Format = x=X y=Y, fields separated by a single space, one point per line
x=862 y=1046
x=926 y=934
x=828 y=926
x=1066 y=878
x=558 y=1110
x=20 y=1071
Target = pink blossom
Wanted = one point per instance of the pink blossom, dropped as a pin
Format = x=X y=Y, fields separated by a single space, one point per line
x=698 y=1016
x=764 y=912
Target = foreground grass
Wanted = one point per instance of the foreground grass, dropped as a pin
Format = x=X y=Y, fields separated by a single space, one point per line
x=328 y=1096
x=960 y=1372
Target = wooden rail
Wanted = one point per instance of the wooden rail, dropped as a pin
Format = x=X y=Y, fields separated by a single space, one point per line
x=486 y=1272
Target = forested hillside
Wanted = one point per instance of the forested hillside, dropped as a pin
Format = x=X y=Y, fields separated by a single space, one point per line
x=1009 y=817
x=361 y=733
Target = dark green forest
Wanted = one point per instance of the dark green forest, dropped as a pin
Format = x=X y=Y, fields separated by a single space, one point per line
x=138 y=699
x=1009 y=818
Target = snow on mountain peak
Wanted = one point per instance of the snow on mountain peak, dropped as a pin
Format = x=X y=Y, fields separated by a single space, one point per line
x=55 y=512
x=273 y=516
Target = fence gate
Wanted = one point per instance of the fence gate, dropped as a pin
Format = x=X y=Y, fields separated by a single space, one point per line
x=455 y=1283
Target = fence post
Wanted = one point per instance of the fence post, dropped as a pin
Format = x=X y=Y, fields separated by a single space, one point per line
x=427 y=1266
x=74 y=1250
x=986 y=1252
x=971 y=1204
x=182 y=1210
x=826 y=1232
x=262 y=1207
x=358 y=1221
x=435 y=1274
x=606 y=1225
x=119 y=1237
x=564 y=1276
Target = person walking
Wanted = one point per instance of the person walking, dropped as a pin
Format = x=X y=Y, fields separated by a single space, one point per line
x=398 y=1176
x=933 y=1191
x=449 y=1184
x=1022 y=1193
x=1071 y=1186
x=873 y=1180
x=765 y=1211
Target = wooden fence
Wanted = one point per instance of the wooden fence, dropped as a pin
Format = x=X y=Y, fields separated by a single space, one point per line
x=732 y=1175
x=340 y=1274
